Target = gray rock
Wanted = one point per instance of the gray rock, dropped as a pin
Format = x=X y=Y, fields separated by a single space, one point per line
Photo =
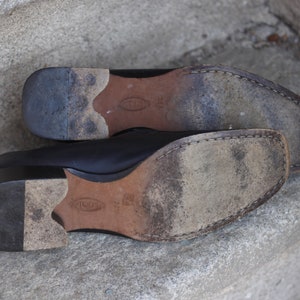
x=256 y=257
x=289 y=10
x=7 y=6
x=115 y=34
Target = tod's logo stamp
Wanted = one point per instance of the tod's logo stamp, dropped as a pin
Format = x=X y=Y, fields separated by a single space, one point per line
x=87 y=204
x=134 y=104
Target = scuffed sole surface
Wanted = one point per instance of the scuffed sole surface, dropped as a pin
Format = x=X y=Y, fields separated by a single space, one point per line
x=25 y=214
x=189 y=187
x=12 y=196
x=57 y=103
x=81 y=104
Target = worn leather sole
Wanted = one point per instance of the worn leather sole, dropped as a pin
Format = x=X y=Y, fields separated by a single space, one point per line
x=80 y=104
x=189 y=187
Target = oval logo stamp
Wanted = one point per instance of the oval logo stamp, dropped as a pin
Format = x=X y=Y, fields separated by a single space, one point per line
x=134 y=104
x=87 y=204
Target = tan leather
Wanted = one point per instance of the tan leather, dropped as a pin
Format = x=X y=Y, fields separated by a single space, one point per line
x=202 y=98
x=83 y=103
x=191 y=186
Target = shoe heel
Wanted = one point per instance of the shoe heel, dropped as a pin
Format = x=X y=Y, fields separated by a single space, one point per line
x=25 y=214
x=48 y=111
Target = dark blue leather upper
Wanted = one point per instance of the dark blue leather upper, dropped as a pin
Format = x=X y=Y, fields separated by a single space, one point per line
x=108 y=157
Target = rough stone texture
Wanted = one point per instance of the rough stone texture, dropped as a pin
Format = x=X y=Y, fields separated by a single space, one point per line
x=115 y=34
x=7 y=6
x=254 y=258
x=289 y=10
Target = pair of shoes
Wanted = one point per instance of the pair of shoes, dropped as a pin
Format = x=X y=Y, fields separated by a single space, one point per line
x=84 y=104
x=190 y=177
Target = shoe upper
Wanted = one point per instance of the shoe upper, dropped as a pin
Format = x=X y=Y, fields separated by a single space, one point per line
x=96 y=160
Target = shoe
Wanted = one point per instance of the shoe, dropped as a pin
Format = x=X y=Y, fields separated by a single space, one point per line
x=82 y=104
x=149 y=186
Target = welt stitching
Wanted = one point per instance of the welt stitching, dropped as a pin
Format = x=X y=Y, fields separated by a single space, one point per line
x=297 y=102
x=250 y=206
x=241 y=212
x=221 y=138
x=224 y=221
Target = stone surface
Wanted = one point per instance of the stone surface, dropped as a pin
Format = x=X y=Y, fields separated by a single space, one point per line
x=7 y=6
x=289 y=10
x=256 y=257
x=115 y=34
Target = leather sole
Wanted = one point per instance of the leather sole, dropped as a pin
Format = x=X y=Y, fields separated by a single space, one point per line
x=189 y=187
x=81 y=104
